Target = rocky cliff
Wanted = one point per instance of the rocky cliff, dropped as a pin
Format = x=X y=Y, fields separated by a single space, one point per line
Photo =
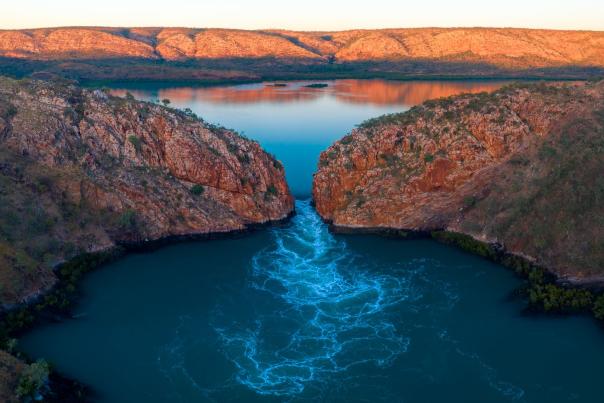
x=520 y=47
x=227 y=53
x=521 y=167
x=81 y=171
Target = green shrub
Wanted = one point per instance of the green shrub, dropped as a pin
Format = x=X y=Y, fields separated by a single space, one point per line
x=197 y=189
x=271 y=190
x=189 y=113
x=553 y=298
x=465 y=242
x=317 y=85
x=243 y=158
x=34 y=381
x=598 y=308
x=127 y=220
x=232 y=147
x=475 y=105
x=11 y=345
x=547 y=152
x=214 y=151
x=135 y=141
x=276 y=162
x=470 y=201
x=7 y=110
x=449 y=115
x=346 y=139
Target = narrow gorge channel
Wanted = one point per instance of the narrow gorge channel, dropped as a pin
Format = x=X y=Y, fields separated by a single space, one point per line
x=302 y=314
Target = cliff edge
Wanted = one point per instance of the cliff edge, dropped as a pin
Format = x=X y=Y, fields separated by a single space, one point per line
x=520 y=167
x=82 y=171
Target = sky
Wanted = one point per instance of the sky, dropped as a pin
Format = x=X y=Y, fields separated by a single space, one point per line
x=310 y=15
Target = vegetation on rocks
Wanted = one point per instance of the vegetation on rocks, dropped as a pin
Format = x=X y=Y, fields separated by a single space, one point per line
x=82 y=172
x=34 y=381
x=197 y=189
x=513 y=175
x=218 y=55
x=543 y=293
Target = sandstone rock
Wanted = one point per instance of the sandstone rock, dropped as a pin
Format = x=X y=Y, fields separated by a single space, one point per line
x=99 y=170
x=503 y=47
x=495 y=166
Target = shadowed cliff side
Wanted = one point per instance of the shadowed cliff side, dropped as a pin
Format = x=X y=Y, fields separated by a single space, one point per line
x=520 y=167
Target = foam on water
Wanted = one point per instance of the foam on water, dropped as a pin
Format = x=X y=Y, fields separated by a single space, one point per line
x=321 y=318
x=334 y=309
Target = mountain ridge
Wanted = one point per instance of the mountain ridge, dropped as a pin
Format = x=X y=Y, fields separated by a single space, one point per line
x=253 y=54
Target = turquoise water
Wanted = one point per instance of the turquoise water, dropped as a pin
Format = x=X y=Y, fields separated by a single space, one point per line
x=298 y=314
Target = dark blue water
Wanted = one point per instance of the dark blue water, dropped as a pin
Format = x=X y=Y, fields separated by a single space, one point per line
x=299 y=314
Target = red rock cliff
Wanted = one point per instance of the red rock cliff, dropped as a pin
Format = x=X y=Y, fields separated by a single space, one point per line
x=520 y=167
x=238 y=54
x=521 y=47
x=81 y=170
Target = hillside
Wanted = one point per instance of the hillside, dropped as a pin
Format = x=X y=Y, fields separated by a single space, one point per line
x=82 y=171
x=227 y=54
x=520 y=168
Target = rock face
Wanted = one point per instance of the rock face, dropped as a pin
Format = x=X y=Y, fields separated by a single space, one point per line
x=219 y=52
x=521 y=167
x=522 y=47
x=81 y=171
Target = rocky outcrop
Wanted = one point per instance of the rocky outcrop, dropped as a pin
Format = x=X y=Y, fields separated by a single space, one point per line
x=81 y=171
x=520 y=167
x=240 y=54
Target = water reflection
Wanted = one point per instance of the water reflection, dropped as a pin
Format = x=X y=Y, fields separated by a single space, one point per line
x=376 y=92
x=296 y=122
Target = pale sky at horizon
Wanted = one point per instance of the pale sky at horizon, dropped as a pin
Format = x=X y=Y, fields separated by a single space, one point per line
x=310 y=15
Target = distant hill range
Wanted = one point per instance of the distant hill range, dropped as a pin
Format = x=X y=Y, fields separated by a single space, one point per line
x=227 y=54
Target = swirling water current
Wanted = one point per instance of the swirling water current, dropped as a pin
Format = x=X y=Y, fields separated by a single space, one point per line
x=332 y=312
x=298 y=314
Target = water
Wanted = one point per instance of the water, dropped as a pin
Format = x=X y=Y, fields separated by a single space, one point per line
x=299 y=314
x=297 y=123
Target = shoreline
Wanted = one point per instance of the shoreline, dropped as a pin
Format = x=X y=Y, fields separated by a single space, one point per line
x=71 y=272
x=545 y=291
x=54 y=304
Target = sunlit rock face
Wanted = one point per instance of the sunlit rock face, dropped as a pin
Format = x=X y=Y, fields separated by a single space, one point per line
x=87 y=170
x=496 y=166
x=515 y=48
